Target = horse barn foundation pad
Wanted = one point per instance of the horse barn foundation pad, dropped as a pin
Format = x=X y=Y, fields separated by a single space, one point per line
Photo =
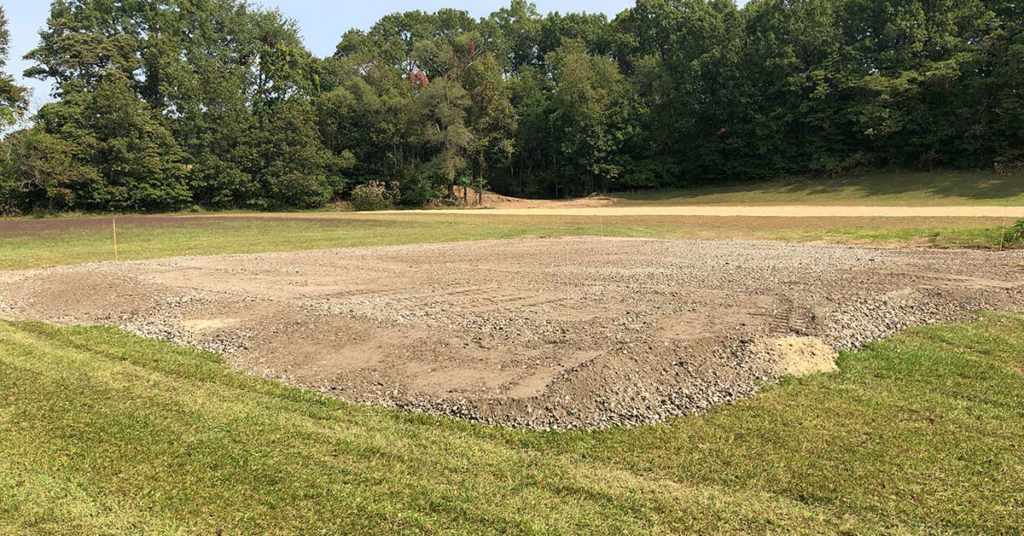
x=538 y=333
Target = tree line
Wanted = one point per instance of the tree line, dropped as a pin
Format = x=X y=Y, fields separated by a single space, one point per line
x=171 y=104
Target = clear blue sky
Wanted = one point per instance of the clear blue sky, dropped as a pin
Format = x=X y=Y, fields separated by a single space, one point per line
x=322 y=21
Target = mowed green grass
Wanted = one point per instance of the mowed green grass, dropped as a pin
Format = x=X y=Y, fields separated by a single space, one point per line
x=105 y=433
x=77 y=240
x=70 y=240
x=892 y=188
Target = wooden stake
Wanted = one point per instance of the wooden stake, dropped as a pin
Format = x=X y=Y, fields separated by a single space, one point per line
x=114 y=225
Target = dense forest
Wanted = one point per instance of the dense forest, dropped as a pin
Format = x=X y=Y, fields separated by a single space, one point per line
x=174 y=104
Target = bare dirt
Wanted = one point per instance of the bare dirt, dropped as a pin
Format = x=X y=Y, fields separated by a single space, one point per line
x=548 y=334
x=498 y=201
x=598 y=207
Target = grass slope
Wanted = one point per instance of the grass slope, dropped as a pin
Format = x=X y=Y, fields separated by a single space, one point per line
x=105 y=433
x=26 y=243
x=893 y=188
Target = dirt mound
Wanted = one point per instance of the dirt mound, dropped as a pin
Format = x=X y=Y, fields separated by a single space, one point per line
x=562 y=333
x=798 y=356
x=492 y=200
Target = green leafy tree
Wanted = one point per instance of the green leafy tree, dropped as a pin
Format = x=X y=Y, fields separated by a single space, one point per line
x=44 y=172
x=119 y=138
x=994 y=132
x=443 y=107
x=790 y=91
x=13 y=98
x=214 y=84
x=588 y=90
x=491 y=117
x=513 y=33
x=86 y=40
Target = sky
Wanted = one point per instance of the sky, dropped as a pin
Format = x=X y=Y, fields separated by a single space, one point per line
x=322 y=22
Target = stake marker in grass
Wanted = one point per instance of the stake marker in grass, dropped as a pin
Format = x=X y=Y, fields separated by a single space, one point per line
x=113 y=222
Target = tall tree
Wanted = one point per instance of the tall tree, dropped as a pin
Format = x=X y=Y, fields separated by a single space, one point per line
x=13 y=98
x=225 y=80
x=514 y=32
x=117 y=138
x=491 y=117
x=443 y=106
x=588 y=91
x=85 y=40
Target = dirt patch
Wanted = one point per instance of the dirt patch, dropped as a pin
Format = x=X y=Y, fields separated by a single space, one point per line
x=601 y=208
x=498 y=201
x=798 y=356
x=561 y=333
x=493 y=200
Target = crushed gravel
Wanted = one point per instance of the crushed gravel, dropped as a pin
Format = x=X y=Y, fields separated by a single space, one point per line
x=535 y=333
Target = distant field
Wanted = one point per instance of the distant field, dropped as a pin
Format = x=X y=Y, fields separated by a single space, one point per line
x=939 y=188
x=105 y=433
x=34 y=243
x=39 y=242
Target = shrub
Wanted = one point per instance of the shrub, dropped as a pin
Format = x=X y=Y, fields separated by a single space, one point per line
x=645 y=174
x=1014 y=236
x=8 y=193
x=374 y=195
x=420 y=187
x=1009 y=165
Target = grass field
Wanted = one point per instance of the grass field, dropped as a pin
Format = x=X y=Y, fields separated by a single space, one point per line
x=32 y=243
x=102 y=432
x=895 y=188
x=28 y=243
x=105 y=433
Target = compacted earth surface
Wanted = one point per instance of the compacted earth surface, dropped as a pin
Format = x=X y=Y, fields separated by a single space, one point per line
x=546 y=334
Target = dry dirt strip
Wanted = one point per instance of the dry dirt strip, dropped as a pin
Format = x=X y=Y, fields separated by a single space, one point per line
x=776 y=211
x=548 y=334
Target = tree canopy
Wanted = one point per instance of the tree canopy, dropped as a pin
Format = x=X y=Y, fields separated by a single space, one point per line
x=13 y=98
x=170 y=104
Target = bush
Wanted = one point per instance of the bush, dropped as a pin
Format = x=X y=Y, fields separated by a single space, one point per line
x=1014 y=236
x=1008 y=165
x=8 y=194
x=374 y=195
x=648 y=173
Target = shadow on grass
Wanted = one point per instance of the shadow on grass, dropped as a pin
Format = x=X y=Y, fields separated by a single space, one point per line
x=914 y=185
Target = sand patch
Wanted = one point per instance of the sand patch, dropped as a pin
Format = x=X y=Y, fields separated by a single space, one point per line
x=798 y=356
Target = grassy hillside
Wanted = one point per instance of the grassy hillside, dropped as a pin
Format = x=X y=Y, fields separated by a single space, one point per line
x=105 y=433
x=32 y=243
x=893 y=188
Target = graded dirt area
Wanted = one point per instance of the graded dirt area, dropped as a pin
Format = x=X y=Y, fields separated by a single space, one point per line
x=747 y=211
x=557 y=333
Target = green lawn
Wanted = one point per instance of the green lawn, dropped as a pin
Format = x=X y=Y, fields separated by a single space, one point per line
x=894 y=188
x=105 y=433
x=81 y=240
x=69 y=240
